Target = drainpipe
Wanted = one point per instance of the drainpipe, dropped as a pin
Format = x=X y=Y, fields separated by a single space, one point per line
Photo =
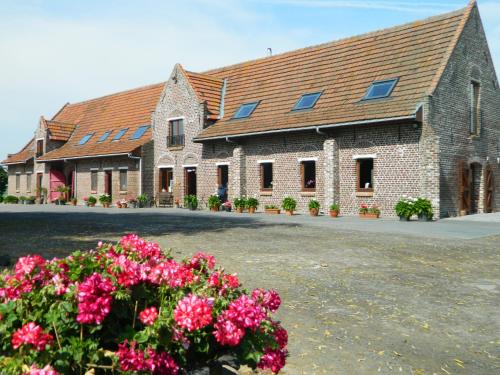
x=140 y=170
x=230 y=141
x=319 y=131
x=75 y=181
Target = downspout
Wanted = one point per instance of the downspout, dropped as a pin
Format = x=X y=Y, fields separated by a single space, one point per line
x=320 y=132
x=230 y=141
x=75 y=181
x=140 y=170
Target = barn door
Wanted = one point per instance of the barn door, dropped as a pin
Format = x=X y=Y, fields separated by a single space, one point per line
x=56 y=179
x=488 y=189
x=465 y=188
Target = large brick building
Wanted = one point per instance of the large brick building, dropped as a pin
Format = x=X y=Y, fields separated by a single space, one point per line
x=412 y=110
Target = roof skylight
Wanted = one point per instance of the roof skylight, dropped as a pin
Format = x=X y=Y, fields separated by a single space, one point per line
x=245 y=110
x=120 y=134
x=381 y=89
x=105 y=136
x=85 y=138
x=140 y=132
x=307 y=101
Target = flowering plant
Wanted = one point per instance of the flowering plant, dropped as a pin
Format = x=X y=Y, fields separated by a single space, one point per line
x=105 y=198
x=363 y=208
x=91 y=200
x=227 y=204
x=131 y=308
x=374 y=210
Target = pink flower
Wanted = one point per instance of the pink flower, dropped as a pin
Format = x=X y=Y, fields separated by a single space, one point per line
x=171 y=273
x=47 y=370
x=201 y=259
x=193 y=312
x=148 y=316
x=231 y=280
x=178 y=336
x=280 y=335
x=135 y=244
x=162 y=363
x=227 y=332
x=94 y=299
x=130 y=358
x=31 y=334
x=270 y=299
x=214 y=280
x=26 y=265
x=273 y=360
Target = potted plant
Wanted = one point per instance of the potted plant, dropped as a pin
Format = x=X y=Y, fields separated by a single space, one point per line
x=289 y=204
x=191 y=202
x=177 y=203
x=30 y=200
x=61 y=201
x=239 y=204
x=405 y=208
x=63 y=190
x=105 y=200
x=227 y=206
x=142 y=200
x=74 y=201
x=22 y=199
x=334 y=210
x=423 y=209
x=271 y=209
x=42 y=193
x=11 y=199
x=131 y=201
x=251 y=205
x=123 y=203
x=314 y=207
x=214 y=203
x=367 y=212
x=91 y=201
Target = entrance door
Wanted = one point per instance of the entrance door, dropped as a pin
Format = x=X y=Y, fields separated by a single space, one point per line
x=223 y=180
x=71 y=184
x=108 y=183
x=488 y=189
x=465 y=189
x=56 y=179
x=190 y=181
x=166 y=180
x=39 y=180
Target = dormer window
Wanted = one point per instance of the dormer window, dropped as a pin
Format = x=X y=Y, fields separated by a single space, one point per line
x=120 y=134
x=139 y=132
x=85 y=139
x=245 y=110
x=105 y=136
x=307 y=101
x=380 y=89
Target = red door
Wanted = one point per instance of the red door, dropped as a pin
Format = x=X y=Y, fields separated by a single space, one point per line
x=56 y=179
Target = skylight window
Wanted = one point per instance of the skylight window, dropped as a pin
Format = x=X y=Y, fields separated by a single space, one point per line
x=120 y=134
x=307 y=101
x=140 y=132
x=105 y=136
x=245 y=110
x=381 y=89
x=85 y=138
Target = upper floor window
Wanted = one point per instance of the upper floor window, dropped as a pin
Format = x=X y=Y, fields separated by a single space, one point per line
x=120 y=134
x=39 y=147
x=139 y=132
x=85 y=138
x=475 y=109
x=380 y=89
x=245 y=110
x=176 y=133
x=307 y=101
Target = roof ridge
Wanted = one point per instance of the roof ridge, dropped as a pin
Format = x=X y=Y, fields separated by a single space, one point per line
x=204 y=75
x=338 y=41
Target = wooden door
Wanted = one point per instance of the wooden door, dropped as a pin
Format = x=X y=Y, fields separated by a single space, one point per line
x=108 y=183
x=465 y=188
x=166 y=180
x=488 y=189
x=56 y=179
x=39 y=179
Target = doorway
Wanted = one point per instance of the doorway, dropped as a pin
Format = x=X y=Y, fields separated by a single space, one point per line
x=108 y=183
x=475 y=187
x=39 y=181
x=488 y=189
x=190 y=181
x=222 y=181
x=166 y=180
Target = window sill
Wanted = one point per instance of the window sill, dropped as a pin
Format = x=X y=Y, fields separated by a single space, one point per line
x=123 y=191
x=364 y=193
x=175 y=148
x=93 y=192
x=266 y=192
x=308 y=193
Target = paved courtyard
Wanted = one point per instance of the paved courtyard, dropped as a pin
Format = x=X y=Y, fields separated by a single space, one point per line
x=360 y=297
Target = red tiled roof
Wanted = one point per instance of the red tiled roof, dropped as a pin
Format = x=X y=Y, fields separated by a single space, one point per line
x=58 y=131
x=208 y=90
x=128 y=109
x=342 y=70
x=22 y=156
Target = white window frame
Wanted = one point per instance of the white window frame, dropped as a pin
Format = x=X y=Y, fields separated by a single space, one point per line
x=364 y=156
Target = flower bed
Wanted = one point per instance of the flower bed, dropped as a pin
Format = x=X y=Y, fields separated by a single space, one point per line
x=130 y=307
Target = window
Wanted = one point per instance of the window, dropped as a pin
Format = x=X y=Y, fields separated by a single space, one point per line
x=364 y=171
x=123 y=180
x=245 y=110
x=120 y=134
x=39 y=147
x=176 y=133
x=307 y=101
x=380 y=89
x=28 y=182
x=266 y=176
x=140 y=132
x=85 y=139
x=18 y=181
x=308 y=175
x=93 y=181
x=105 y=136
x=475 y=112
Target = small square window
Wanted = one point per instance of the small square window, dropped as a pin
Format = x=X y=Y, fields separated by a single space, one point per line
x=245 y=110
x=105 y=136
x=380 y=89
x=307 y=101
x=85 y=139
x=139 y=132
x=120 y=134
x=266 y=176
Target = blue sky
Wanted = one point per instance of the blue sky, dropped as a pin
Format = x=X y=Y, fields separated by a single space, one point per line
x=53 y=52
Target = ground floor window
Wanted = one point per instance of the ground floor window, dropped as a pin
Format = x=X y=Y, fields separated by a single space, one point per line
x=28 y=182
x=123 y=180
x=364 y=171
x=189 y=181
x=308 y=175
x=18 y=181
x=266 y=176
x=166 y=180
x=93 y=181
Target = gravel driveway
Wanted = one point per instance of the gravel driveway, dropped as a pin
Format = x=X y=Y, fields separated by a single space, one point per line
x=355 y=301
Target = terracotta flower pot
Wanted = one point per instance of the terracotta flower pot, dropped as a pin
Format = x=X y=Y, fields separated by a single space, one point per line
x=272 y=211
x=124 y=205
x=313 y=211
x=334 y=213
x=119 y=205
x=369 y=216
x=251 y=210
x=239 y=210
x=91 y=204
x=289 y=212
x=214 y=209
